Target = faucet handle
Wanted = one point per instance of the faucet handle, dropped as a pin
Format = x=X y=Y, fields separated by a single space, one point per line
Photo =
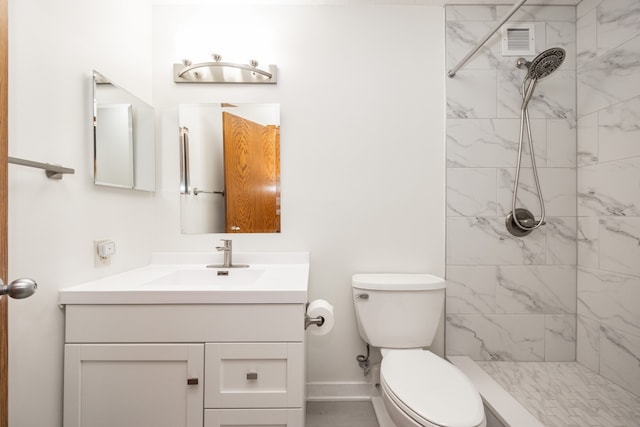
x=227 y=245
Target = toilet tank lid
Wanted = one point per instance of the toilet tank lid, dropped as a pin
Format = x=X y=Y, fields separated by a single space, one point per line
x=397 y=282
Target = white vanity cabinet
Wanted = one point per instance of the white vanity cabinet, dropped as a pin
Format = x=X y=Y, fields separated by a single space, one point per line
x=188 y=365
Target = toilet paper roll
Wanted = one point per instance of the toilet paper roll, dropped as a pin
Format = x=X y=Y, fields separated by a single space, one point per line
x=320 y=307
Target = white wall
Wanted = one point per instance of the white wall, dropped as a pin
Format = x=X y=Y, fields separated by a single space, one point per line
x=53 y=47
x=361 y=90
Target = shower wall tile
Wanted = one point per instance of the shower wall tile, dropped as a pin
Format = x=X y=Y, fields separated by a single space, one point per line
x=608 y=189
x=471 y=192
x=540 y=13
x=587 y=140
x=462 y=37
x=558 y=186
x=510 y=298
x=554 y=97
x=610 y=78
x=619 y=356
x=471 y=289
x=491 y=142
x=619 y=130
x=485 y=241
x=471 y=13
x=617 y=22
x=586 y=6
x=496 y=336
x=610 y=299
x=561 y=240
x=587 y=39
x=561 y=143
x=588 y=343
x=588 y=244
x=472 y=94
x=563 y=34
x=560 y=337
x=536 y=289
x=620 y=245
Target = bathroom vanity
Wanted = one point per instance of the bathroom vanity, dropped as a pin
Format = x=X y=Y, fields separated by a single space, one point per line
x=179 y=344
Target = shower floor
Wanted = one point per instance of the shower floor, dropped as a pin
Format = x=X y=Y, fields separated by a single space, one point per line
x=563 y=394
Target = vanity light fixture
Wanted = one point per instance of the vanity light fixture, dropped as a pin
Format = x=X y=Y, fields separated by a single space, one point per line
x=217 y=71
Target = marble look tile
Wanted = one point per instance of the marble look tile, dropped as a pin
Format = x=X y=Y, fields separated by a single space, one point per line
x=587 y=38
x=563 y=34
x=536 y=289
x=470 y=13
x=588 y=241
x=472 y=94
x=486 y=241
x=491 y=142
x=561 y=143
x=620 y=245
x=617 y=23
x=619 y=130
x=588 y=343
x=607 y=189
x=560 y=337
x=619 y=356
x=540 y=13
x=462 y=37
x=609 y=298
x=586 y=6
x=471 y=192
x=554 y=96
x=496 y=337
x=610 y=78
x=558 y=187
x=471 y=289
x=561 y=240
x=587 y=140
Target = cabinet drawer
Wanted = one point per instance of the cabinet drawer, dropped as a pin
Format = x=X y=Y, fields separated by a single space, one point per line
x=254 y=375
x=254 y=417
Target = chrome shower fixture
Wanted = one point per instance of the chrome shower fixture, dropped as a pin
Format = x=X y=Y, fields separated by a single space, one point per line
x=521 y=222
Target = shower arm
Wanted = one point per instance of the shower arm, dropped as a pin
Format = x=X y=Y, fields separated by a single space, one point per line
x=452 y=72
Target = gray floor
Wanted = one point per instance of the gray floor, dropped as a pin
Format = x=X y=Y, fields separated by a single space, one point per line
x=340 y=414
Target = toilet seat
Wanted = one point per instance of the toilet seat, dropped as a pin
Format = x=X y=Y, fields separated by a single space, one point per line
x=430 y=390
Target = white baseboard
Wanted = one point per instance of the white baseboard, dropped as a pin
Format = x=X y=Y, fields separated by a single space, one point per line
x=335 y=391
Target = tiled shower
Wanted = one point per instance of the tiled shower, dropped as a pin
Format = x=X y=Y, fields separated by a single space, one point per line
x=571 y=291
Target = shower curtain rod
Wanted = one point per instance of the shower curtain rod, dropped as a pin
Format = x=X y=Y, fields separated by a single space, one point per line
x=452 y=72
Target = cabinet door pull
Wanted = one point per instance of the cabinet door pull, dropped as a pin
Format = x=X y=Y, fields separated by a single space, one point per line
x=192 y=381
x=252 y=375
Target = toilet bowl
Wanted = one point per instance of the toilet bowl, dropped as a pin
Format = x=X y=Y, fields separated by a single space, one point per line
x=420 y=389
x=399 y=313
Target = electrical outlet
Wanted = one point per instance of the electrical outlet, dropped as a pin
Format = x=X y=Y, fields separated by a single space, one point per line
x=102 y=251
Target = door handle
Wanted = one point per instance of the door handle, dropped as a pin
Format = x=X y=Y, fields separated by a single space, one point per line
x=19 y=288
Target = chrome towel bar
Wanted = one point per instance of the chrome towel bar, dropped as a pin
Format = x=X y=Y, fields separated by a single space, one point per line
x=52 y=171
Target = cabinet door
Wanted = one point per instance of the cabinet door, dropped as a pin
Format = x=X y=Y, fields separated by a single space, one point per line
x=254 y=417
x=254 y=375
x=133 y=385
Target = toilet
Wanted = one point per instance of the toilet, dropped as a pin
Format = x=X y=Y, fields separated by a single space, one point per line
x=400 y=313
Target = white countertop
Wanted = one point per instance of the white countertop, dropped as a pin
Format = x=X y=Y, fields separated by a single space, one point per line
x=183 y=278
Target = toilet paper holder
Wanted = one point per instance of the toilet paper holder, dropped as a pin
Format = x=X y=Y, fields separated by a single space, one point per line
x=318 y=321
x=308 y=320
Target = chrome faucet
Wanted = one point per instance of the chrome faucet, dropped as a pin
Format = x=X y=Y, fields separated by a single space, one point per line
x=227 y=249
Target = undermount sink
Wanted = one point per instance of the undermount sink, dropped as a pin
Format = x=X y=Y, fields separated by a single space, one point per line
x=209 y=278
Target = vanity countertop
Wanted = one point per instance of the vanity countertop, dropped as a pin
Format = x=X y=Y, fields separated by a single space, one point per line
x=183 y=278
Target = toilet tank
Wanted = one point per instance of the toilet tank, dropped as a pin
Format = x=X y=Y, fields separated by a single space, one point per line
x=398 y=310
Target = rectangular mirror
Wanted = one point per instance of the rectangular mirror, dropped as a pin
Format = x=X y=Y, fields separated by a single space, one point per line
x=123 y=137
x=229 y=168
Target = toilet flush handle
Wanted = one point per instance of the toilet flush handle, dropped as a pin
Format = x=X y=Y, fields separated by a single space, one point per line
x=364 y=297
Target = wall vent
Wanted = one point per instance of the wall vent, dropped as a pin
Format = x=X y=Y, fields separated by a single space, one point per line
x=518 y=39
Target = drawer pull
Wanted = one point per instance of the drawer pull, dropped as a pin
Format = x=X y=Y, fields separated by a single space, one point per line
x=192 y=381
x=252 y=375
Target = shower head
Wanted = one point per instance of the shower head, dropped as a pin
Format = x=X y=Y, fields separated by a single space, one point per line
x=546 y=63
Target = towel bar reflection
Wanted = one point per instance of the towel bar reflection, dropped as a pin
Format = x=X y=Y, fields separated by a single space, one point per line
x=52 y=171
